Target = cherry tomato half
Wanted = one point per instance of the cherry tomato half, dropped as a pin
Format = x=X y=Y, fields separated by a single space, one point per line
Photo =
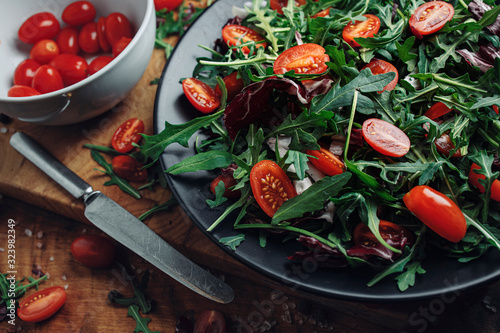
x=93 y=251
x=234 y=34
x=378 y=66
x=129 y=168
x=87 y=38
x=437 y=110
x=167 y=4
x=99 y=63
x=385 y=138
x=271 y=186
x=101 y=34
x=229 y=182
x=72 y=67
x=44 y=51
x=67 y=39
x=22 y=91
x=78 y=13
x=361 y=29
x=200 y=95
x=117 y=26
x=430 y=17
x=436 y=211
x=278 y=5
x=322 y=13
x=39 y=26
x=444 y=145
x=326 y=161
x=211 y=321
x=42 y=304
x=23 y=75
x=303 y=59
x=126 y=134
x=47 y=79
x=390 y=232
x=234 y=85
x=120 y=45
x=474 y=180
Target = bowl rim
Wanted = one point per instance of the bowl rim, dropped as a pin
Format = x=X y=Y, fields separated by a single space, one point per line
x=69 y=89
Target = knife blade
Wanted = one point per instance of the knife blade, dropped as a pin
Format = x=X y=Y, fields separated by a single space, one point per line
x=124 y=227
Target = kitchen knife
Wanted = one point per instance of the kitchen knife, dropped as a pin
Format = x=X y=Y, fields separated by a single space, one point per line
x=124 y=227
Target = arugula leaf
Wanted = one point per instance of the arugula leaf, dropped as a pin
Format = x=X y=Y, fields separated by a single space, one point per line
x=232 y=241
x=209 y=160
x=219 y=198
x=407 y=278
x=405 y=55
x=142 y=323
x=299 y=161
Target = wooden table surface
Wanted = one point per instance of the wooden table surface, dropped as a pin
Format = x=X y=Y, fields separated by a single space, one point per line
x=48 y=219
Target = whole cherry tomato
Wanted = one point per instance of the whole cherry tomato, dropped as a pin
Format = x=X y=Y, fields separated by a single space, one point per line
x=303 y=59
x=326 y=161
x=200 y=95
x=39 y=26
x=385 y=138
x=271 y=186
x=42 y=304
x=72 y=67
x=93 y=251
x=430 y=17
x=78 y=13
x=361 y=29
x=67 y=39
x=101 y=34
x=23 y=75
x=47 y=79
x=437 y=211
x=98 y=63
x=229 y=182
x=278 y=5
x=87 y=38
x=22 y=91
x=474 y=177
x=44 y=51
x=126 y=134
x=117 y=26
x=129 y=168
x=120 y=45
x=234 y=85
x=234 y=34
x=378 y=66
x=167 y=4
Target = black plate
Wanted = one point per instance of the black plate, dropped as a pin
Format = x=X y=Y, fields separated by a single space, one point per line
x=443 y=274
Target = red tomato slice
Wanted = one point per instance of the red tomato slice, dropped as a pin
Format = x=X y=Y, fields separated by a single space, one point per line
x=278 y=5
x=22 y=91
x=99 y=63
x=437 y=211
x=44 y=51
x=42 y=304
x=303 y=59
x=39 y=26
x=47 y=79
x=445 y=145
x=93 y=251
x=67 y=39
x=361 y=29
x=362 y=234
x=126 y=134
x=234 y=34
x=323 y=13
x=228 y=183
x=23 y=75
x=210 y=321
x=326 y=161
x=200 y=95
x=430 y=17
x=167 y=4
x=378 y=66
x=129 y=168
x=72 y=67
x=385 y=138
x=234 y=85
x=474 y=180
x=437 y=110
x=271 y=186
x=78 y=13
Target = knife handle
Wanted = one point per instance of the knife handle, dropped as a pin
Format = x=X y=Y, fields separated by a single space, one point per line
x=50 y=165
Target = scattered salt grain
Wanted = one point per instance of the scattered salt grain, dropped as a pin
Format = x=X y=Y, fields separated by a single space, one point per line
x=64 y=278
x=84 y=231
x=39 y=234
x=3 y=130
x=39 y=245
x=66 y=286
x=28 y=232
x=47 y=275
x=2 y=249
x=51 y=258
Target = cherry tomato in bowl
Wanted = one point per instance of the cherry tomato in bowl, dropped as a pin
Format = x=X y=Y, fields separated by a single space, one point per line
x=127 y=134
x=361 y=29
x=117 y=26
x=22 y=91
x=39 y=26
x=303 y=59
x=88 y=39
x=120 y=45
x=430 y=17
x=78 y=13
x=47 y=79
x=72 y=67
x=67 y=39
x=93 y=251
x=99 y=63
x=385 y=137
x=44 y=51
x=24 y=72
x=200 y=95
x=41 y=305
x=129 y=168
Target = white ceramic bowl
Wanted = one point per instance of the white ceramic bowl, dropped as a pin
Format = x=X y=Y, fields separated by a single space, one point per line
x=91 y=96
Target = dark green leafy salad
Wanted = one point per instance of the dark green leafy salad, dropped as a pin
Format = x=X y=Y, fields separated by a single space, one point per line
x=367 y=131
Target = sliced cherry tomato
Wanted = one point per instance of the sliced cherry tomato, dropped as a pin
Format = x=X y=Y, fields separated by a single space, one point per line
x=120 y=45
x=445 y=145
x=430 y=17
x=378 y=66
x=474 y=180
x=392 y=233
x=39 y=26
x=234 y=85
x=22 y=91
x=278 y=5
x=99 y=63
x=47 y=79
x=200 y=95
x=437 y=211
x=23 y=75
x=303 y=59
x=271 y=186
x=437 y=110
x=67 y=39
x=234 y=34
x=323 y=13
x=129 y=168
x=87 y=38
x=78 y=13
x=126 y=134
x=93 y=251
x=44 y=51
x=326 y=161
x=42 y=304
x=229 y=182
x=385 y=138
x=210 y=321
x=495 y=108
x=167 y=4
x=72 y=67
x=101 y=34
x=361 y=29
x=117 y=26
